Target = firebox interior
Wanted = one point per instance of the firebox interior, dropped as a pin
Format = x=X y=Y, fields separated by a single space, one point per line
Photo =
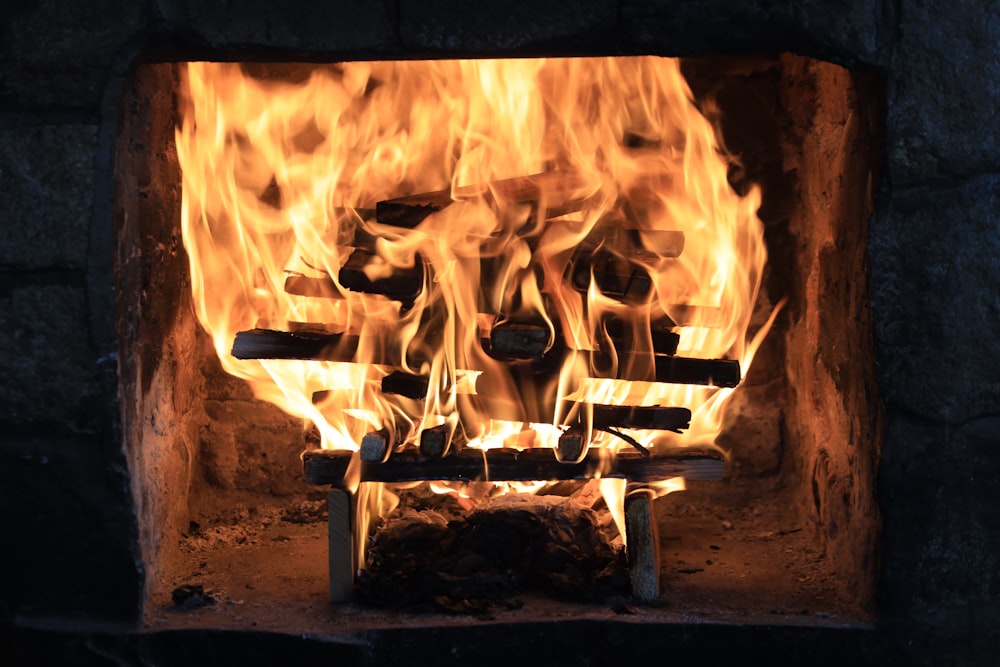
x=789 y=535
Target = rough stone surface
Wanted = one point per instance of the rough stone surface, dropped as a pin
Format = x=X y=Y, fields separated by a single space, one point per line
x=941 y=542
x=487 y=26
x=70 y=557
x=844 y=31
x=48 y=368
x=57 y=52
x=945 y=91
x=46 y=195
x=297 y=25
x=936 y=300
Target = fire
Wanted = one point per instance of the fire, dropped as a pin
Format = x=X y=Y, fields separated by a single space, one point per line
x=280 y=179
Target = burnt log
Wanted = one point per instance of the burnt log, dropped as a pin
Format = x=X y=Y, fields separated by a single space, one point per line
x=641 y=417
x=271 y=344
x=406 y=384
x=642 y=546
x=403 y=285
x=686 y=370
x=615 y=276
x=341 y=546
x=328 y=467
x=571 y=446
x=559 y=189
x=375 y=445
x=510 y=341
x=435 y=441
x=622 y=334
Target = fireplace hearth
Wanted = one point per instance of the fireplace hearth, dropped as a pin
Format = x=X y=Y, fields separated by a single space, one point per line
x=886 y=542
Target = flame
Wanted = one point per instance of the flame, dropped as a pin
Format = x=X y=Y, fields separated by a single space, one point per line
x=280 y=176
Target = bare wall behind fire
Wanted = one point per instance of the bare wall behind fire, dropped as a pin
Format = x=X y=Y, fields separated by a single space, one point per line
x=933 y=252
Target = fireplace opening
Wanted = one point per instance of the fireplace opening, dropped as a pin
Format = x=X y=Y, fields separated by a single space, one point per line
x=789 y=532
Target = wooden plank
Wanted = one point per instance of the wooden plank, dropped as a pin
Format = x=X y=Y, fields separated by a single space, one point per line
x=340 y=546
x=643 y=546
x=329 y=467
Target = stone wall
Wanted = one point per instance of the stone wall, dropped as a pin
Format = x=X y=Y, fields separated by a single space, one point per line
x=933 y=258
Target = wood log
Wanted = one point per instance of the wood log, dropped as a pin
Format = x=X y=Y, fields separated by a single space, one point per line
x=570 y=447
x=642 y=546
x=641 y=417
x=375 y=446
x=435 y=441
x=321 y=287
x=340 y=546
x=559 y=188
x=686 y=370
x=615 y=276
x=522 y=341
x=406 y=384
x=404 y=285
x=328 y=467
x=662 y=336
x=271 y=344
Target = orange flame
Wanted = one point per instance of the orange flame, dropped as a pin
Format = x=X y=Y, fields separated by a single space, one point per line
x=278 y=177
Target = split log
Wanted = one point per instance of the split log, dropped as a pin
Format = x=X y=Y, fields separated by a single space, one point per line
x=643 y=546
x=403 y=285
x=560 y=191
x=324 y=467
x=341 y=546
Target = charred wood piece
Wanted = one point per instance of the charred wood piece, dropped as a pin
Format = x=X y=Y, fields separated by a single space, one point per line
x=405 y=384
x=512 y=341
x=270 y=344
x=642 y=417
x=327 y=467
x=375 y=446
x=571 y=446
x=686 y=370
x=615 y=276
x=560 y=191
x=341 y=546
x=403 y=285
x=435 y=441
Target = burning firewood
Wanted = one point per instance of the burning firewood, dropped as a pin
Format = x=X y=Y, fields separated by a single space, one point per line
x=405 y=384
x=436 y=441
x=662 y=336
x=571 y=446
x=270 y=344
x=643 y=549
x=403 y=285
x=642 y=417
x=518 y=340
x=327 y=467
x=562 y=190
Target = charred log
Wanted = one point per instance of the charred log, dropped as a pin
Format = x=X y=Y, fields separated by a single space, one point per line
x=270 y=344
x=558 y=189
x=642 y=417
x=571 y=446
x=406 y=384
x=327 y=467
x=435 y=441
x=519 y=341
x=403 y=285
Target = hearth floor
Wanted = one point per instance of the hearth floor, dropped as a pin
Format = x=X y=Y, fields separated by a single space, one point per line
x=265 y=565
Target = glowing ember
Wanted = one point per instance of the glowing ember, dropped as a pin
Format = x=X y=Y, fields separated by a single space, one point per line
x=566 y=207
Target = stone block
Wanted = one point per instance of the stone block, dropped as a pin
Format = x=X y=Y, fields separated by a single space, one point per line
x=944 y=91
x=940 y=489
x=69 y=538
x=483 y=26
x=844 y=31
x=46 y=195
x=57 y=53
x=935 y=258
x=48 y=366
x=294 y=25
